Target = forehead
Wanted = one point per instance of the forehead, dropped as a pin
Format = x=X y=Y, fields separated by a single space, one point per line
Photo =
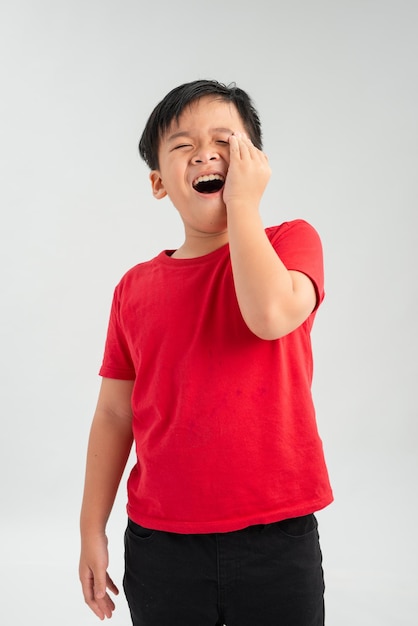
x=205 y=113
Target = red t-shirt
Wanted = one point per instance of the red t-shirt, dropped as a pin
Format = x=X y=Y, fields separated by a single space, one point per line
x=223 y=421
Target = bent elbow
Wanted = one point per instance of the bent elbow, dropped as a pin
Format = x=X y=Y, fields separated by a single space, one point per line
x=268 y=334
x=267 y=327
x=274 y=325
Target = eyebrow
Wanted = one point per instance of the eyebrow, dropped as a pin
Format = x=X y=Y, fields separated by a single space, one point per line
x=185 y=133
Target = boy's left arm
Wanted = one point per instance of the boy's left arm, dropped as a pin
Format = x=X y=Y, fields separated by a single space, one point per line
x=273 y=300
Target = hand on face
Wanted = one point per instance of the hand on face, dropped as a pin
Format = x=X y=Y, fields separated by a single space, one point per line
x=248 y=174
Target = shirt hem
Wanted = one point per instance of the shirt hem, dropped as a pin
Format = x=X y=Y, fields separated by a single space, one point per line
x=224 y=526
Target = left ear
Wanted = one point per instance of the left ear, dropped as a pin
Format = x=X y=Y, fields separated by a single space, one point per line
x=157 y=185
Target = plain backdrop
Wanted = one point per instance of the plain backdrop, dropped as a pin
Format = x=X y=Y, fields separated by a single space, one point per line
x=335 y=83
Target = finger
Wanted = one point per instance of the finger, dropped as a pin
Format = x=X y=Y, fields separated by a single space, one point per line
x=238 y=148
x=233 y=145
x=88 y=593
x=247 y=148
x=111 y=585
x=253 y=150
x=103 y=603
x=99 y=588
x=87 y=588
x=105 y=607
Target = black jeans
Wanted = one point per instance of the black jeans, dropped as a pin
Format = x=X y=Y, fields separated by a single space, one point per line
x=265 y=575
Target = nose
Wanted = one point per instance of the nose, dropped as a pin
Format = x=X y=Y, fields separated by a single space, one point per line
x=205 y=154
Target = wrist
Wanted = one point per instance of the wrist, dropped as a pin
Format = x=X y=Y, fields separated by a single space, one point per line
x=242 y=209
x=244 y=216
x=91 y=527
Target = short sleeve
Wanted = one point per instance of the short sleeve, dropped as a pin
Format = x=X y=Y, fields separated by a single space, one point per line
x=299 y=247
x=117 y=360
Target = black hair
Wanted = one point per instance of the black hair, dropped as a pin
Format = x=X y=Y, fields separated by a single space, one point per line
x=174 y=103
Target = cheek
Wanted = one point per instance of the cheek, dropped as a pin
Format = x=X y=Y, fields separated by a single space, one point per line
x=176 y=172
x=225 y=155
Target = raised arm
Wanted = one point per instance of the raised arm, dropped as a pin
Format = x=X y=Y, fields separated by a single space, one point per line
x=109 y=446
x=273 y=300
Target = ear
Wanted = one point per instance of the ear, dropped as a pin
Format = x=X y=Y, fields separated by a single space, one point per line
x=157 y=185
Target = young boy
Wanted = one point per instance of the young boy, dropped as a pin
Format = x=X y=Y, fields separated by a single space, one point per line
x=207 y=369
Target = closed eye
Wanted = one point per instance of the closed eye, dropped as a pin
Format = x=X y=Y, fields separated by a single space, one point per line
x=182 y=145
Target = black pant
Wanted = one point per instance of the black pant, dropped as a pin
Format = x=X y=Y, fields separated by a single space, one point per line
x=266 y=575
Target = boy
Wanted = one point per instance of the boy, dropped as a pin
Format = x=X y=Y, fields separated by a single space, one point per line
x=207 y=369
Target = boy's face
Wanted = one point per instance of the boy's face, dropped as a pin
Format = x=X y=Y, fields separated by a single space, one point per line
x=193 y=164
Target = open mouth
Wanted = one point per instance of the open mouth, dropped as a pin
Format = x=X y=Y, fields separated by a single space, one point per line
x=209 y=184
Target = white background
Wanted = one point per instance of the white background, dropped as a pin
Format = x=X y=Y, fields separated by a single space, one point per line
x=335 y=83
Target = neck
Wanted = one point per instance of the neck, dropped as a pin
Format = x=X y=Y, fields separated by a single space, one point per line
x=199 y=246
